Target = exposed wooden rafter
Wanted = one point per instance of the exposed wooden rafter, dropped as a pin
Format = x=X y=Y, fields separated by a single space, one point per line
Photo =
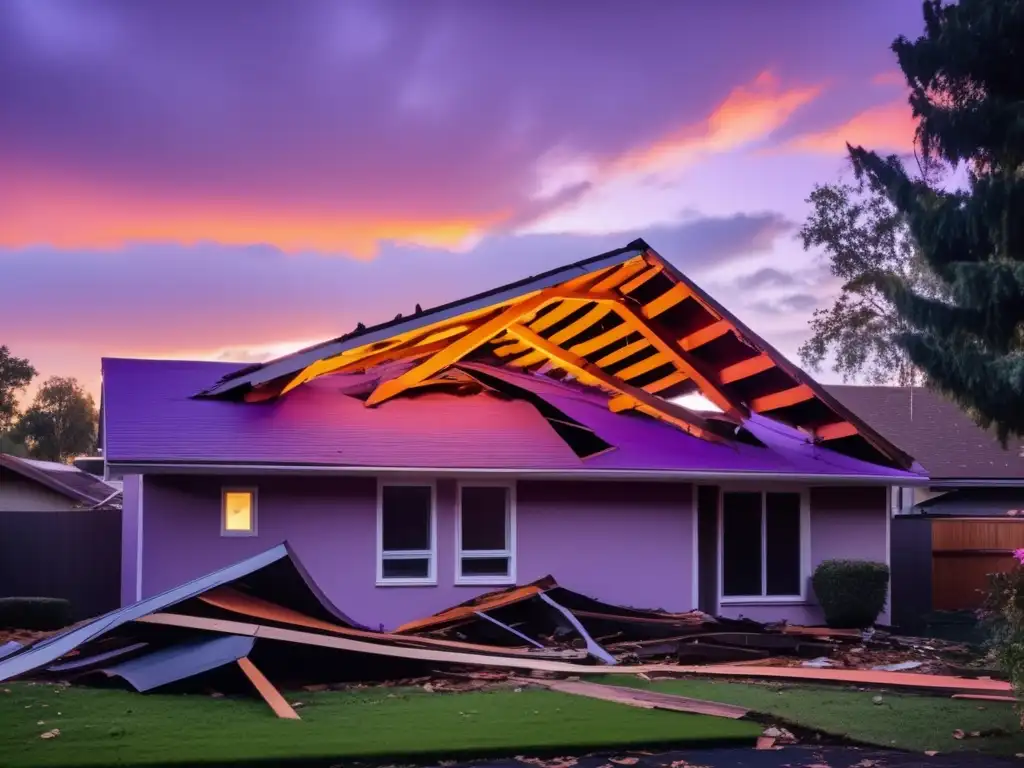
x=643 y=401
x=836 y=431
x=744 y=368
x=456 y=350
x=783 y=399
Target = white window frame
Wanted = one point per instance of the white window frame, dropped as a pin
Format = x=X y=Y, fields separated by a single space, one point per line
x=805 y=546
x=510 y=537
x=224 y=491
x=411 y=554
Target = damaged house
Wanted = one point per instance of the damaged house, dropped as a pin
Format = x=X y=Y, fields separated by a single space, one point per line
x=533 y=429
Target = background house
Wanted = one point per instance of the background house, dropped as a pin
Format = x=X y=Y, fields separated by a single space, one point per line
x=950 y=534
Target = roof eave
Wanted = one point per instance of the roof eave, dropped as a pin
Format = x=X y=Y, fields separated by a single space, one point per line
x=129 y=467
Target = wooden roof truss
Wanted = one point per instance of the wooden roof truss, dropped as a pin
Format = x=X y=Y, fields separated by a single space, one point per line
x=637 y=329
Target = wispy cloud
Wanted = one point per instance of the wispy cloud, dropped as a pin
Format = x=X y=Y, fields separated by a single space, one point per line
x=885 y=128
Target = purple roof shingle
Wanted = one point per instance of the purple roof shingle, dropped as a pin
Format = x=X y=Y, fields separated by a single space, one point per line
x=151 y=416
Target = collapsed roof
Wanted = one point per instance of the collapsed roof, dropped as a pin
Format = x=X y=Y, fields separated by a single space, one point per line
x=626 y=322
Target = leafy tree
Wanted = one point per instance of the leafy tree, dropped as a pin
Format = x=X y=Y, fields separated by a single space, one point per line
x=966 y=75
x=862 y=235
x=16 y=373
x=61 y=422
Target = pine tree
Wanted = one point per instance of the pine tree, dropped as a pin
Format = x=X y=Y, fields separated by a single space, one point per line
x=966 y=75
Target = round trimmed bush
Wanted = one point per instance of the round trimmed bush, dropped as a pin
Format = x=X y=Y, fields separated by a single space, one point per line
x=851 y=592
x=37 y=613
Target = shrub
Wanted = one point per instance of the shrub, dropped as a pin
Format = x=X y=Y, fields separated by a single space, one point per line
x=851 y=592
x=38 y=613
x=1003 y=614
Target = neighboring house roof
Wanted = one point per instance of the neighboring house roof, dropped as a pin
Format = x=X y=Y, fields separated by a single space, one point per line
x=64 y=479
x=627 y=321
x=944 y=439
x=152 y=420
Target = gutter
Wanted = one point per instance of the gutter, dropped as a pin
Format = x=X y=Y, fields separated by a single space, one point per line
x=950 y=484
x=185 y=468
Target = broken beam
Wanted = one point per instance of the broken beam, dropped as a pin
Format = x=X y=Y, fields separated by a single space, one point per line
x=583 y=369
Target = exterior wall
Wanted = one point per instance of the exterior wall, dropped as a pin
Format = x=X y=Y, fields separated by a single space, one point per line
x=626 y=543
x=846 y=523
x=19 y=494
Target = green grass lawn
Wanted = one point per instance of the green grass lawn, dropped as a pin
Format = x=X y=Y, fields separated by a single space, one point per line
x=112 y=727
x=901 y=721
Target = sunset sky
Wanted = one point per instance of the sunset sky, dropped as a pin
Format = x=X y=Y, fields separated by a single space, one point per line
x=234 y=179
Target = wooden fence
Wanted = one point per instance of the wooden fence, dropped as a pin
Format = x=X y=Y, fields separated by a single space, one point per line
x=73 y=554
x=964 y=552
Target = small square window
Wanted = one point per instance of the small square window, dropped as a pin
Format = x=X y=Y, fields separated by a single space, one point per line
x=486 y=535
x=238 y=512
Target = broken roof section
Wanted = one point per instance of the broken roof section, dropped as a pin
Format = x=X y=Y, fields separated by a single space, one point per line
x=65 y=479
x=625 y=322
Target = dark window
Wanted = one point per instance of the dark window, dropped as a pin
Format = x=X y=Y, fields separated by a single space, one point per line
x=761 y=544
x=406 y=535
x=741 y=544
x=485 y=532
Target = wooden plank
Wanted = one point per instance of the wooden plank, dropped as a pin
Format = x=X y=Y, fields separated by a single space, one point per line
x=642 y=278
x=622 y=353
x=745 y=368
x=858 y=677
x=984 y=697
x=570 y=331
x=646 y=365
x=581 y=368
x=610 y=336
x=787 y=397
x=666 y=301
x=621 y=275
x=704 y=335
x=267 y=690
x=635 y=697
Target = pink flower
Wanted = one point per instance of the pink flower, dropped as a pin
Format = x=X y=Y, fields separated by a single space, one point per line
x=1018 y=555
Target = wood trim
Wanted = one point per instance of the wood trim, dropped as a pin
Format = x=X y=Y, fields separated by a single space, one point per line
x=787 y=397
x=583 y=369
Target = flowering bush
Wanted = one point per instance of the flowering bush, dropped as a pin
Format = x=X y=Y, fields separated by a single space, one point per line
x=1003 y=611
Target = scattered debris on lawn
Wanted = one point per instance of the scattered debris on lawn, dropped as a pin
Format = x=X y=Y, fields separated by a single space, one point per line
x=265 y=619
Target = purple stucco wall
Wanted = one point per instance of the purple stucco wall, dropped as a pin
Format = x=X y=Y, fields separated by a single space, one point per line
x=846 y=523
x=625 y=543
x=628 y=543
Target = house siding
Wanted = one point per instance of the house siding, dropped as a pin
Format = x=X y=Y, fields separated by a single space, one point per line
x=846 y=523
x=627 y=543
x=624 y=543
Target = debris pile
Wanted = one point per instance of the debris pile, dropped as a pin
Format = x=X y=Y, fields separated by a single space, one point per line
x=264 y=619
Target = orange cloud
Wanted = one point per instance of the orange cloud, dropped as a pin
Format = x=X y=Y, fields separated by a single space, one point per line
x=749 y=113
x=63 y=213
x=886 y=128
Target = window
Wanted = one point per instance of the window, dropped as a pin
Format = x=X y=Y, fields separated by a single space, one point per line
x=238 y=512
x=485 y=548
x=762 y=539
x=406 y=534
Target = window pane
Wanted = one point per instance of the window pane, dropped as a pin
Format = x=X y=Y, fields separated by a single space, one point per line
x=741 y=544
x=485 y=566
x=414 y=568
x=238 y=510
x=406 y=517
x=484 y=523
x=782 y=543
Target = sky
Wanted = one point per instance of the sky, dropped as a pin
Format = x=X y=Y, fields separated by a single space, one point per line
x=234 y=180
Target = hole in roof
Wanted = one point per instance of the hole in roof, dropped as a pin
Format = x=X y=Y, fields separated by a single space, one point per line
x=696 y=402
x=651 y=289
x=566 y=321
x=610 y=347
x=760 y=384
x=605 y=324
x=723 y=351
x=653 y=375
